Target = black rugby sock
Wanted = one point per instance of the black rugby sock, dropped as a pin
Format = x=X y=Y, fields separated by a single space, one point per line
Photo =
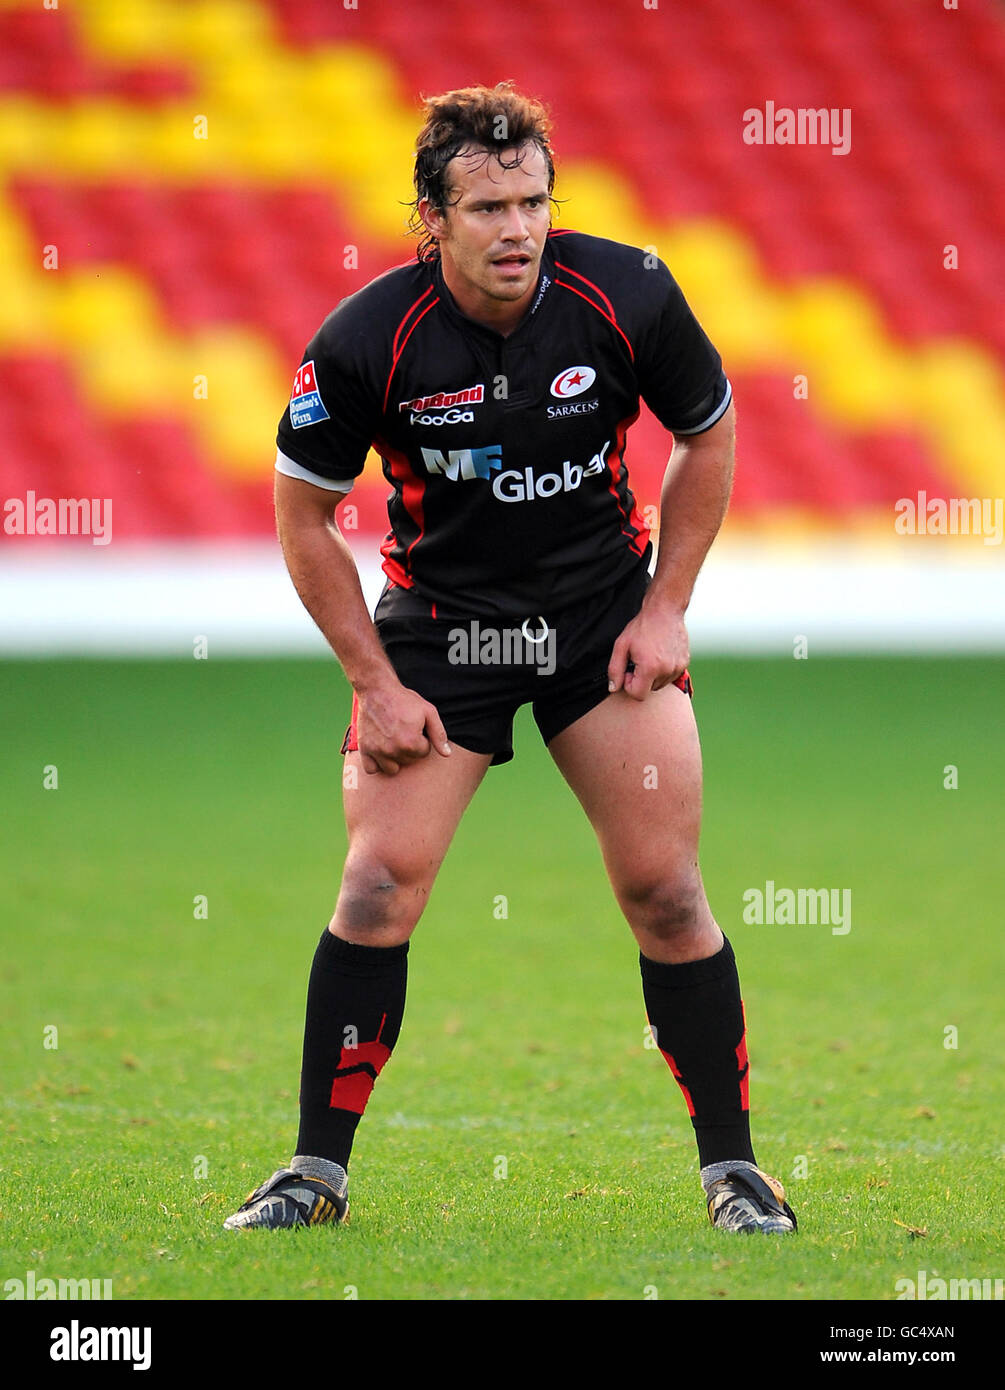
x=355 y=1004
x=696 y=1016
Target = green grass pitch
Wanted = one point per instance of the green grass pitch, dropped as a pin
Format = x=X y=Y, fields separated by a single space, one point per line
x=523 y=1142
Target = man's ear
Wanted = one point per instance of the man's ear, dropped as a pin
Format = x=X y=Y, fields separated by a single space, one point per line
x=433 y=219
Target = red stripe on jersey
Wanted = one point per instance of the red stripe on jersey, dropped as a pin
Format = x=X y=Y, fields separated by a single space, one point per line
x=391 y=567
x=586 y=281
x=399 y=350
x=412 y=491
x=602 y=312
x=634 y=528
x=680 y=1082
x=404 y=318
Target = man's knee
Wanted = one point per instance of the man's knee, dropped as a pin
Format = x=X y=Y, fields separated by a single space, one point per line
x=665 y=905
x=380 y=900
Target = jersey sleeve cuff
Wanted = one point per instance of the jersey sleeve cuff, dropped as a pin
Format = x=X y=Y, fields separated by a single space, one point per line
x=716 y=414
x=292 y=469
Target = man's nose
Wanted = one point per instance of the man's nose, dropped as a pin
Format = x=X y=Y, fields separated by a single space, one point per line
x=515 y=226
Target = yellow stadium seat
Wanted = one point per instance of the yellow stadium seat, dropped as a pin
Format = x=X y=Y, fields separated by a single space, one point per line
x=720 y=276
x=256 y=83
x=273 y=144
x=247 y=389
x=131 y=373
x=25 y=316
x=30 y=132
x=350 y=84
x=218 y=30
x=98 y=140
x=130 y=32
x=960 y=397
x=599 y=202
x=102 y=302
x=821 y=314
x=175 y=148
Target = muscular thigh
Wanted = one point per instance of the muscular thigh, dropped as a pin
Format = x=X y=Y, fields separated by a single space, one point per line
x=636 y=768
x=400 y=828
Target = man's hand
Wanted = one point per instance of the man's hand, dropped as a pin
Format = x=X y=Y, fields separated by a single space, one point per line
x=395 y=727
x=652 y=651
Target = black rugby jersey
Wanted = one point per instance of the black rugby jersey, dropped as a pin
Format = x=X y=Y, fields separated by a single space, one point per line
x=506 y=455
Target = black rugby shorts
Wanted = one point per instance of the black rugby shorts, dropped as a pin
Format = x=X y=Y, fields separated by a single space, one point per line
x=478 y=672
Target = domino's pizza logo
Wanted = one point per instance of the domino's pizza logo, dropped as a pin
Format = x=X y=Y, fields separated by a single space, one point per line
x=306 y=405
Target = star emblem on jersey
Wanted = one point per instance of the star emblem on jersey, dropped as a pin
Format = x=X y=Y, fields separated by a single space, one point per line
x=573 y=382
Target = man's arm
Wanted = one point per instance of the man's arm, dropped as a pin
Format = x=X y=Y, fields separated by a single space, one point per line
x=395 y=726
x=693 y=503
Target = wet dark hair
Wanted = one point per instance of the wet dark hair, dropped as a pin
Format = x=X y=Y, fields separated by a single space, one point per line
x=499 y=120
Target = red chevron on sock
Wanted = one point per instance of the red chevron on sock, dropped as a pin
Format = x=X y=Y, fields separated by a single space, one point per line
x=680 y=1082
x=356 y=1074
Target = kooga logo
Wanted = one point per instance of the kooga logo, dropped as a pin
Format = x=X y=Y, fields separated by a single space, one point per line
x=448 y=417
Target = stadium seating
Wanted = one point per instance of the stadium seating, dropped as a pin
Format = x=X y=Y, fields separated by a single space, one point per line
x=183 y=258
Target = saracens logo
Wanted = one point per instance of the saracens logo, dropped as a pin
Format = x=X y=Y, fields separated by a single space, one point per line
x=573 y=382
x=471 y=395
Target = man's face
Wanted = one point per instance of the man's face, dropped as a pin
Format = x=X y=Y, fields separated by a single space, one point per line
x=492 y=234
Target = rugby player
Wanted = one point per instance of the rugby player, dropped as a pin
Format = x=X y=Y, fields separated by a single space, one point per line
x=496 y=375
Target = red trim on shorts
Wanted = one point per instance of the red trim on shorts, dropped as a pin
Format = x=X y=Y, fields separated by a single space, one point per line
x=350 y=744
